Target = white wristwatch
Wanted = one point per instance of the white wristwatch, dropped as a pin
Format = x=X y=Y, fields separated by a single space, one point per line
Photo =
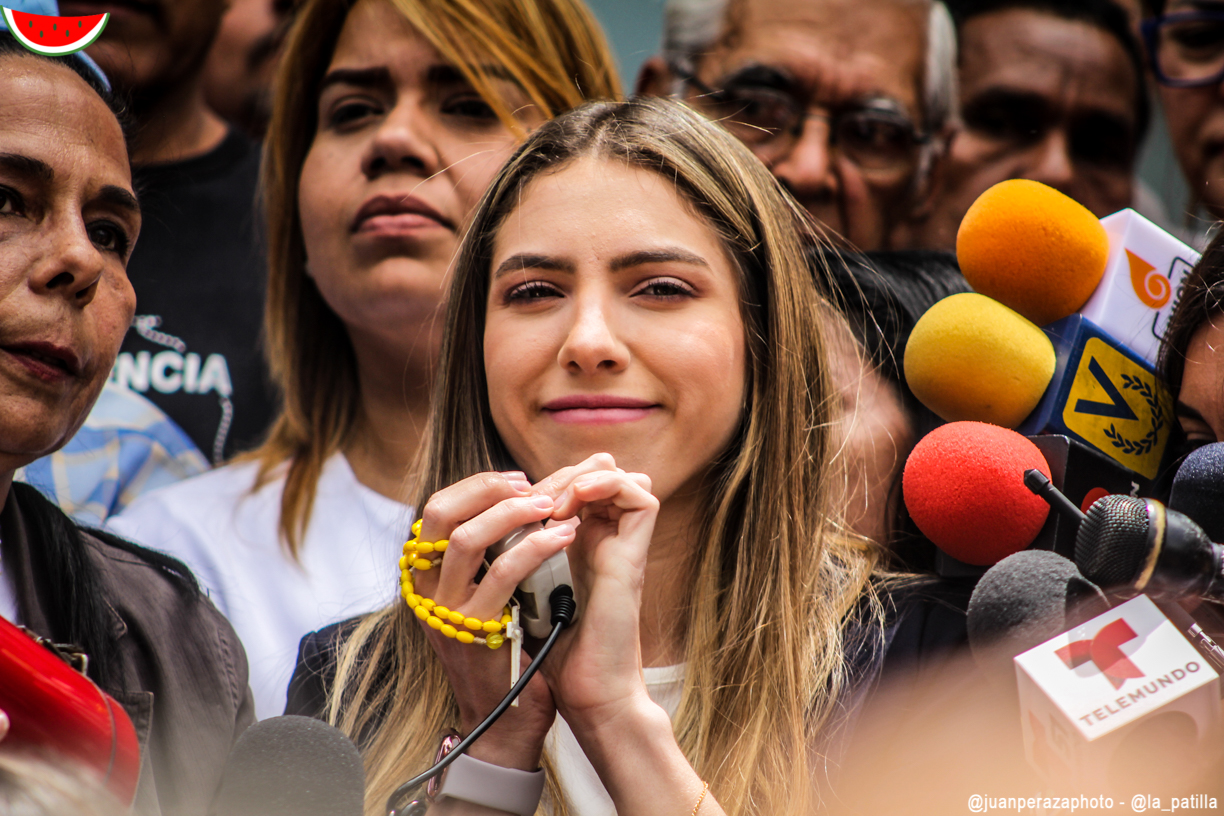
x=482 y=783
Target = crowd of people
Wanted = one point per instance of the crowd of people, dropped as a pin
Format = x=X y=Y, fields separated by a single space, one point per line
x=289 y=282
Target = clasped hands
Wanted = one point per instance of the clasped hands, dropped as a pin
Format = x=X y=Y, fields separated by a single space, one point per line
x=603 y=518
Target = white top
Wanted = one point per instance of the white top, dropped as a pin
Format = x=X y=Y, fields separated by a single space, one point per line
x=349 y=558
x=583 y=790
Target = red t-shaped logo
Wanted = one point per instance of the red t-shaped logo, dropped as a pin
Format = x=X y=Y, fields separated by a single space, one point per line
x=1105 y=652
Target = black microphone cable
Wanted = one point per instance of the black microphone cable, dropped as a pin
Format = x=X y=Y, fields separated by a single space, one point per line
x=563 y=608
x=1041 y=487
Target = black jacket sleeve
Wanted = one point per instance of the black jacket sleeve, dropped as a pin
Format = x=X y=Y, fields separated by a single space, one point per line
x=318 y=656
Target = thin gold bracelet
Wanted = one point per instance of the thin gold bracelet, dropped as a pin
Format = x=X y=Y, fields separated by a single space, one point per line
x=705 y=787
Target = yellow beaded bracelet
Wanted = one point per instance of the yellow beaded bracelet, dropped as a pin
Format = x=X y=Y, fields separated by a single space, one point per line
x=452 y=623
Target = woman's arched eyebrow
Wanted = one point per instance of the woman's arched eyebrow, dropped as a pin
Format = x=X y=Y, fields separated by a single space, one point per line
x=378 y=78
x=1184 y=411
x=658 y=256
x=119 y=198
x=528 y=260
x=27 y=167
x=39 y=172
x=642 y=257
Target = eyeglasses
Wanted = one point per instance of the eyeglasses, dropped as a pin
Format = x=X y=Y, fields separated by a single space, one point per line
x=770 y=122
x=1186 y=49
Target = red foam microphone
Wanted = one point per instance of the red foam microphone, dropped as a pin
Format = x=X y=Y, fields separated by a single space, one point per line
x=964 y=488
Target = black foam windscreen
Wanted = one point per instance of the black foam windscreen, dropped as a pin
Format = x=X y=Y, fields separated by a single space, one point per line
x=1198 y=489
x=1026 y=599
x=292 y=766
x=1112 y=543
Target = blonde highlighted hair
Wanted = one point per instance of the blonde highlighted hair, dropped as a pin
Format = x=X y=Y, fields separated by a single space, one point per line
x=779 y=602
x=553 y=50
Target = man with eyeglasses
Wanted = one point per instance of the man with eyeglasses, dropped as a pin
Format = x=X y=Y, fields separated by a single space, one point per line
x=1050 y=90
x=1185 y=46
x=849 y=102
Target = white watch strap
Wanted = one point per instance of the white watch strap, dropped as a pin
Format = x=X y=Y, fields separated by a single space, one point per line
x=481 y=783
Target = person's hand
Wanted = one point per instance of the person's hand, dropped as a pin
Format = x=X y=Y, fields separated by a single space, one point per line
x=595 y=670
x=4 y=725
x=474 y=514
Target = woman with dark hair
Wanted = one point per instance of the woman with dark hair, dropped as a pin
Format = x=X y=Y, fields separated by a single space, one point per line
x=68 y=220
x=1190 y=359
x=883 y=295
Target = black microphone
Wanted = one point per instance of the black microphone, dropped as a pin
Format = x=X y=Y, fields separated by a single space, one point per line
x=1024 y=600
x=1140 y=545
x=292 y=766
x=1082 y=475
x=1198 y=489
x=1087 y=720
x=1036 y=482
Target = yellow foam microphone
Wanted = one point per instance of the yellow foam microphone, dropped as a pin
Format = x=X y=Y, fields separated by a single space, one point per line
x=1033 y=249
x=972 y=358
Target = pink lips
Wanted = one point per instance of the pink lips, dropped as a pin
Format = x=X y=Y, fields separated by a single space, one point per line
x=597 y=409
x=396 y=216
x=46 y=361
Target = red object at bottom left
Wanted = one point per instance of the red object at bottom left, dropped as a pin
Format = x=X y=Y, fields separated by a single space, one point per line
x=54 y=707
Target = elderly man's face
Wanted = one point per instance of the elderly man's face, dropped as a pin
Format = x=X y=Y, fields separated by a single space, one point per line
x=1042 y=98
x=855 y=67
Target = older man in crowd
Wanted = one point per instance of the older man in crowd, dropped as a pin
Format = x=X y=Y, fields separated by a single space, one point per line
x=849 y=102
x=1050 y=90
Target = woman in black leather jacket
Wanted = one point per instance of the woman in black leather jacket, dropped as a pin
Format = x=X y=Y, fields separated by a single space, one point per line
x=68 y=220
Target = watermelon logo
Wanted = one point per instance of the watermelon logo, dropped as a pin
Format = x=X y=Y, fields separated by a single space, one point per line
x=55 y=36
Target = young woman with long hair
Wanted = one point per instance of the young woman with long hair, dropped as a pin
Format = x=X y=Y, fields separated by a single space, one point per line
x=635 y=353
x=390 y=119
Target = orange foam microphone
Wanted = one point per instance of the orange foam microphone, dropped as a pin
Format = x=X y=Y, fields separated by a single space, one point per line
x=963 y=486
x=1033 y=249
